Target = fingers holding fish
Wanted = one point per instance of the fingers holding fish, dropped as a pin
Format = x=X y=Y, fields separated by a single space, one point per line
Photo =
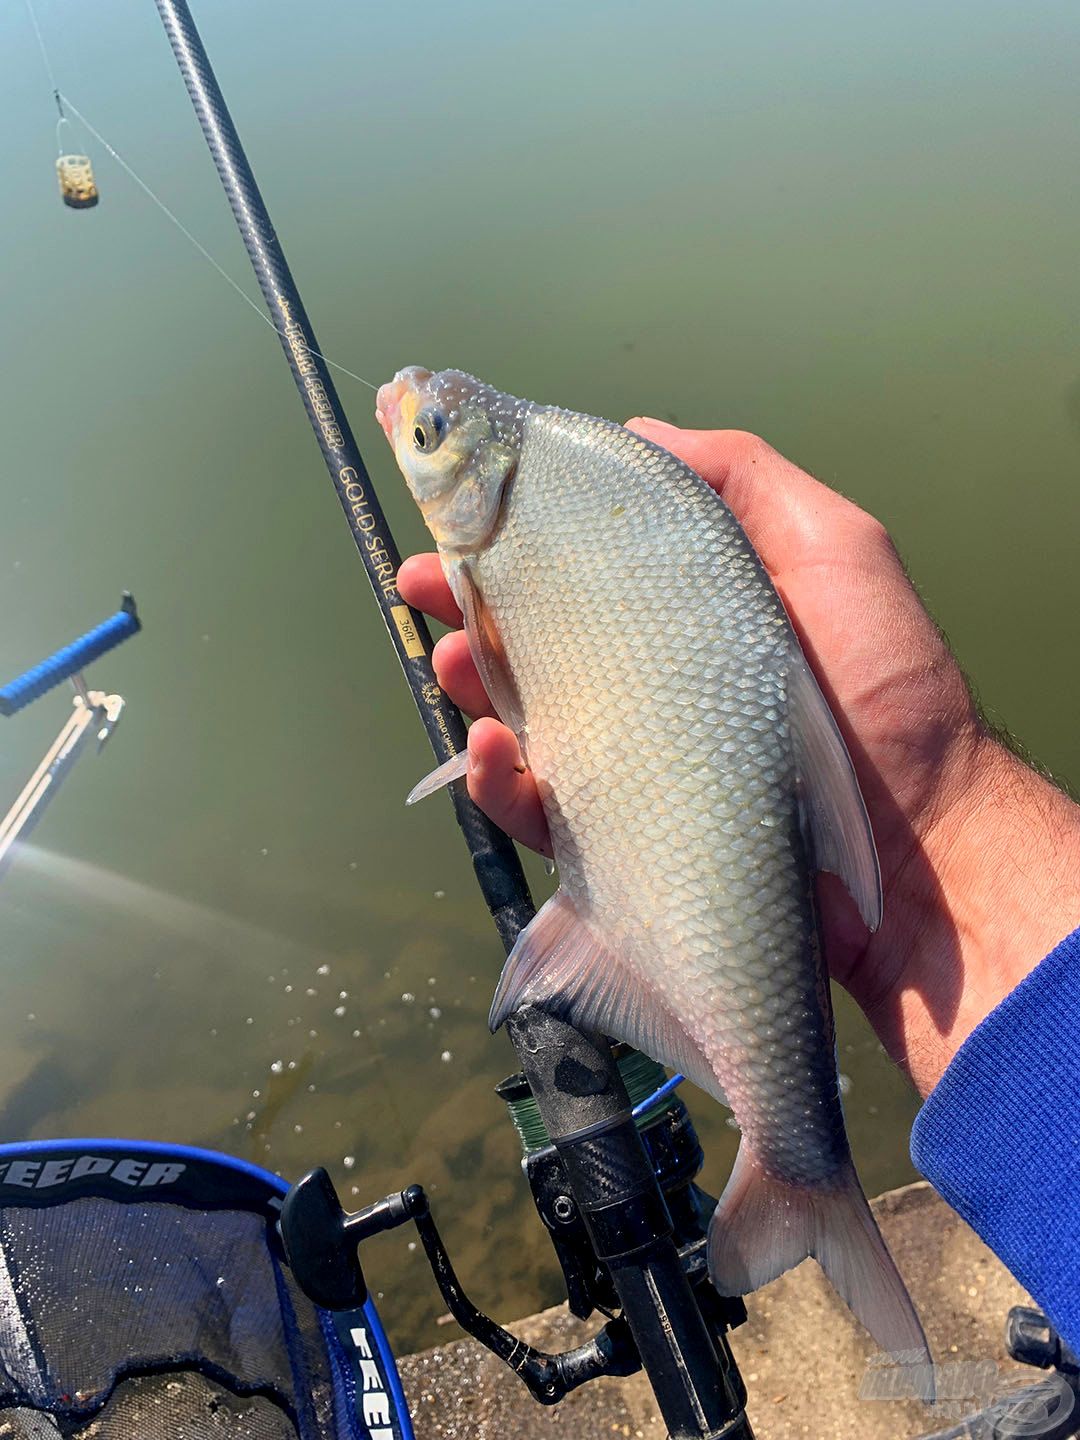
x=503 y=787
x=498 y=780
x=456 y=673
x=422 y=584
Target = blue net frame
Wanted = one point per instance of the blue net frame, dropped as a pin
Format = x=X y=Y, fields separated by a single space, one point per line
x=144 y=1289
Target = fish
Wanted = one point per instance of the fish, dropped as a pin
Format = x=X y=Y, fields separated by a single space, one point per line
x=694 y=782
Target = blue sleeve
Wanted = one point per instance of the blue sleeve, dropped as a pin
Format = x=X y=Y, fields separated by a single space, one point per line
x=999 y=1136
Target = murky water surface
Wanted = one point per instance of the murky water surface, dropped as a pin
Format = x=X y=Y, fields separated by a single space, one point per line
x=852 y=229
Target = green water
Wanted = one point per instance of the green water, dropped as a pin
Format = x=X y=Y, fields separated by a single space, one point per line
x=852 y=228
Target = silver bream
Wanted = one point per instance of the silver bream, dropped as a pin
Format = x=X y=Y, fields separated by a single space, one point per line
x=694 y=781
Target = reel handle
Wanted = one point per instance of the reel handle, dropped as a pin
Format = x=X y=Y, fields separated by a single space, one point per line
x=321 y=1239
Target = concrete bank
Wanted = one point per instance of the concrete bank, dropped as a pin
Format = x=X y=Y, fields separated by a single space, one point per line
x=802 y=1356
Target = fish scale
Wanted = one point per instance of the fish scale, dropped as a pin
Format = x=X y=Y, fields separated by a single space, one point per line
x=693 y=780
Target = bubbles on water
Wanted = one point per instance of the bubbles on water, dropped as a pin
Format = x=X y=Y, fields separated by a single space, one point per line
x=408 y=998
x=446 y=1057
x=435 y=1012
x=440 y=894
x=339 y=1010
x=323 y=970
x=348 y=1161
x=277 y=1066
x=844 y=1084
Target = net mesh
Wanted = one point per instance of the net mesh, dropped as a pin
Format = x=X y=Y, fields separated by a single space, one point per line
x=125 y=1320
x=182 y=1407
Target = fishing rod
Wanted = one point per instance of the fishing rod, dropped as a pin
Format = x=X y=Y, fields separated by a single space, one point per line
x=605 y=1177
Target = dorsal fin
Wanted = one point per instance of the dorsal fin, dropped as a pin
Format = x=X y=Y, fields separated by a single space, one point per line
x=836 y=825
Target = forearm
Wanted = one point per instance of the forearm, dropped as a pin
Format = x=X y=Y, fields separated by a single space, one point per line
x=990 y=887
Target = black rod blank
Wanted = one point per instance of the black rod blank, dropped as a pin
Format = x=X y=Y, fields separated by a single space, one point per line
x=498 y=868
x=573 y=1076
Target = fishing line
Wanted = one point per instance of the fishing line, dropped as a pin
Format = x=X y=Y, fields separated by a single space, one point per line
x=199 y=246
x=41 y=46
x=62 y=100
x=47 y=62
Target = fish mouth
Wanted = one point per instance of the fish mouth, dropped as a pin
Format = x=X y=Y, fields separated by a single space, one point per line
x=389 y=397
x=387 y=406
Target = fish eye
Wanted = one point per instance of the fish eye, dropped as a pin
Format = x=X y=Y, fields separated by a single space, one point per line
x=428 y=430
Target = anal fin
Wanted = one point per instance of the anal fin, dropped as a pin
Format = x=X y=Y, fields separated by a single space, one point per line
x=561 y=964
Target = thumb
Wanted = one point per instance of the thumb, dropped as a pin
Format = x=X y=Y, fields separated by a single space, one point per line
x=786 y=513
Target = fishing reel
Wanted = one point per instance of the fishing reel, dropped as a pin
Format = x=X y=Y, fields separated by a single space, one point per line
x=675 y=1153
x=321 y=1239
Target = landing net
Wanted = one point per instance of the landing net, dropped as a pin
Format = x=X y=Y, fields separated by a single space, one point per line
x=144 y=1295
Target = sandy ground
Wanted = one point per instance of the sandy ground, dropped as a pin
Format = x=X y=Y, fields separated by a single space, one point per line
x=802 y=1357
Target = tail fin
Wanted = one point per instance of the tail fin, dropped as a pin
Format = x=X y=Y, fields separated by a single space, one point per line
x=762 y=1227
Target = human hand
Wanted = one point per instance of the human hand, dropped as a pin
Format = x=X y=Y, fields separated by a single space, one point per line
x=980 y=856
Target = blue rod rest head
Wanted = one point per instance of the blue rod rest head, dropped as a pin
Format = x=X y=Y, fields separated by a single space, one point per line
x=52 y=671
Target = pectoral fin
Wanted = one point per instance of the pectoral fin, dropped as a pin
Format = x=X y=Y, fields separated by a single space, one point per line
x=449 y=770
x=561 y=964
x=486 y=649
x=834 y=815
